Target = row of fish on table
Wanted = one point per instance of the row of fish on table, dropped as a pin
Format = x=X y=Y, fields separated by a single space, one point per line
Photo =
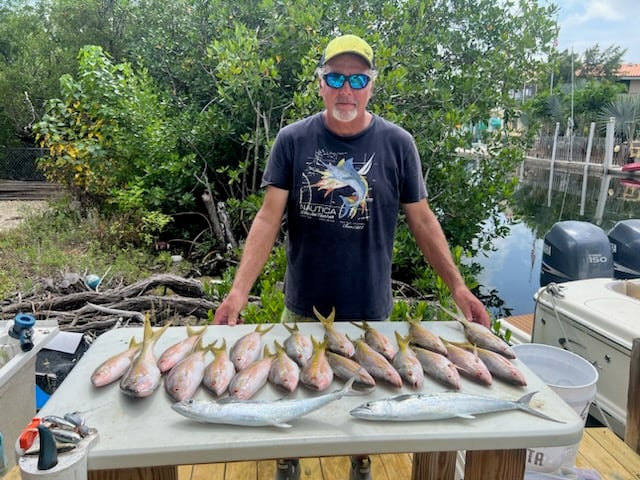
x=241 y=371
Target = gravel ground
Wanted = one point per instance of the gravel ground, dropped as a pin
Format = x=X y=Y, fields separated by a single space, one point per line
x=12 y=212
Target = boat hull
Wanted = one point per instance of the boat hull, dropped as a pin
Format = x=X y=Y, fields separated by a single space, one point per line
x=631 y=167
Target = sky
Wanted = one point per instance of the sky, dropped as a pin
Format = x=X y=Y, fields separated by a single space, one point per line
x=583 y=23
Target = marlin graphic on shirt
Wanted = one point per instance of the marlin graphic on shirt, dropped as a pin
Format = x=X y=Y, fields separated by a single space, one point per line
x=342 y=175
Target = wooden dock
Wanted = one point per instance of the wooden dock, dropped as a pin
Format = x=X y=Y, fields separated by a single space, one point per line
x=600 y=450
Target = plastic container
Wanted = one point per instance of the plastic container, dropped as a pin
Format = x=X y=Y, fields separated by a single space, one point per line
x=573 y=379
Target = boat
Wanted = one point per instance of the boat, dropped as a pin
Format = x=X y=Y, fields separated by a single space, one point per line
x=631 y=167
x=630 y=182
x=589 y=303
x=597 y=319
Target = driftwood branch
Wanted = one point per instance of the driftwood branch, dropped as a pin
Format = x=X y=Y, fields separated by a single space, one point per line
x=167 y=297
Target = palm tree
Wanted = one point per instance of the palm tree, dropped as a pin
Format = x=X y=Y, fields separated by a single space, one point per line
x=626 y=110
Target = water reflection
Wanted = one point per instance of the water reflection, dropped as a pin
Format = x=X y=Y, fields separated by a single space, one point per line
x=511 y=274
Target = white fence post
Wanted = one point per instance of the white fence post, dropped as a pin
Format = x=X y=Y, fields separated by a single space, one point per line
x=585 y=174
x=553 y=160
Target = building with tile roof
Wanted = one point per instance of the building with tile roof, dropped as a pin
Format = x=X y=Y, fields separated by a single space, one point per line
x=629 y=74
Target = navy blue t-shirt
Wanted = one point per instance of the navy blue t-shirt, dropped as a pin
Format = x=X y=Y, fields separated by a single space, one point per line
x=344 y=198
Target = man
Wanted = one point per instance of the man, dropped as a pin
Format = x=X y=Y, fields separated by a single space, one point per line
x=341 y=176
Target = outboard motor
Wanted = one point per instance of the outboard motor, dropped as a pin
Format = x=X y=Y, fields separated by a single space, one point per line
x=575 y=250
x=625 y=247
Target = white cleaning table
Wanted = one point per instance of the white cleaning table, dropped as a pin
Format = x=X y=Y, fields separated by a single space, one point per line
x=146 y=432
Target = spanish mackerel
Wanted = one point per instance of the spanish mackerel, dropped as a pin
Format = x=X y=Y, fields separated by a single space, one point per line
x=257 y=413
x=438 y=406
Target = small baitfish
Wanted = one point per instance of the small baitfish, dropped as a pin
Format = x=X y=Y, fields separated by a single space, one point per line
x=423 y=338
x=481 y=336
x=218 y=374
x=257 y=413
x=317 y=374
x=377 y=340
x=284 y=371
x=439 y=367
x=297 y=345
x=499 y=366
x=407 y=363
x=247 y=348
x=178 y=351
x=143 y=376
x=438 y=406
x=114 y=367
x=347 y=368
x=336 y=341
x=376 y=364
x=186 y=376
x=245 y=383
x=469 y=364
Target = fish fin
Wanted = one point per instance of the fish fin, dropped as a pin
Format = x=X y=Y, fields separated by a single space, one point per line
x=467 y=416
x=467 y=345
x=523 y=404
x=404 y=396
x=462 y=369
x=282 y=425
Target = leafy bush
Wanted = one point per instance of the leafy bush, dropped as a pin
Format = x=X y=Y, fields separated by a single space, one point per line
x=114 y=146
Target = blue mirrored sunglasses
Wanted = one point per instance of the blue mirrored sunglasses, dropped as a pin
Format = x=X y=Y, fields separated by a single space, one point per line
x=356 y=81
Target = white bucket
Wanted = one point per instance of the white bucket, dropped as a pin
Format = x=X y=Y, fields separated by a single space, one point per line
x=573 y=379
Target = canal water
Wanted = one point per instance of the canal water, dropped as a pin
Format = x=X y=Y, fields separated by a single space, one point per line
x=511 y=273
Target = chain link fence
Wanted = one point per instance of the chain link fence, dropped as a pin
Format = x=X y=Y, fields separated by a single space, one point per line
x=20 y=163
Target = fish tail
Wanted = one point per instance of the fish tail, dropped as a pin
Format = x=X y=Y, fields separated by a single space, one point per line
x=147 y=329
x=326 y=321
x=192 y=330
x=262 y=330
x=403 y=342
x=290 y=329
x=217 y=350
x=523 y=404
x=158 y=333
x=349 y=391
x=361 y=326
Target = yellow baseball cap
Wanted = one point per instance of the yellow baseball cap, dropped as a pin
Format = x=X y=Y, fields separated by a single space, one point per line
x=348 y=44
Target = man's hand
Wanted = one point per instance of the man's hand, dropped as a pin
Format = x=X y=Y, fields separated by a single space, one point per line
x=228 y=312
x=472 y=308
